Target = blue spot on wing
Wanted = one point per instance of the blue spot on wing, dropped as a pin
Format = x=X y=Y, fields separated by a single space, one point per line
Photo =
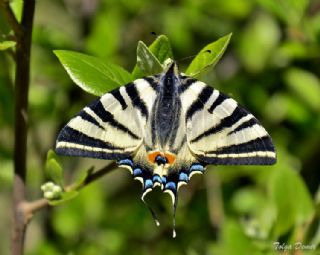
x=160 y=160
x=171 y=186
x=137 y=172
x=157 y=178
x=148 y=184
x=126 y=162
x=197 y=167
x=183 y=177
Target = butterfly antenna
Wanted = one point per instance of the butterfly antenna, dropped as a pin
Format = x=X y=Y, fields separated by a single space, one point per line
x=154 y=216
x=192 y=56
x=174 y=234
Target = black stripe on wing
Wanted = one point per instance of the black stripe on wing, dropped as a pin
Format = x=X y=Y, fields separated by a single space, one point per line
x=85 y=116
x=244 y=125
x=152 y=82
x=258 y=144
x=91 y=154
x=136 y=100
x=258 y=160
x=117 y=95
x=187 y=82
x=217 y=102
x=98 y=108
x=198 y=104
x=227 y=122
x=261 y=144
x=71 y=135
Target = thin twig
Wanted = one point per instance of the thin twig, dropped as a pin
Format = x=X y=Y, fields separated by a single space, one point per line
x=24 y=33
x=8 y=13
x=30 y=208
x=91 y=177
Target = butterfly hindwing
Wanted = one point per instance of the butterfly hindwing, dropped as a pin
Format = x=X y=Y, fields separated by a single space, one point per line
x=221 y=132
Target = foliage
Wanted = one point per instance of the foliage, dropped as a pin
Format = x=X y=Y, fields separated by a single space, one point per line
x=158 y=52
x=92 y=74
x=7 y=44
x=208 y=56
x=271 y=67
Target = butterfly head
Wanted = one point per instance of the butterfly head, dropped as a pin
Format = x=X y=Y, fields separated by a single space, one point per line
x=170 y=74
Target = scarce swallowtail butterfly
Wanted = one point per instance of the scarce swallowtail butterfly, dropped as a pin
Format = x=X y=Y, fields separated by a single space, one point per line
x=165 y=128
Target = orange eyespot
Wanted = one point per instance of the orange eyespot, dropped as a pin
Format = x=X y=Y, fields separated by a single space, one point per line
x=168 y=157
x=152 y=156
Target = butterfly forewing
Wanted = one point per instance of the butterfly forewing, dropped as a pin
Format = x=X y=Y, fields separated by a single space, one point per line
x=112 y=127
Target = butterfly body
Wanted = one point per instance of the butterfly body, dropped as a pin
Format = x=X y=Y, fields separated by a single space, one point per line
x=165 y=128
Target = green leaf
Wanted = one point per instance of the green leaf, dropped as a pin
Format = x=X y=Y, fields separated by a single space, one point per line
x=292 y=199
x=66 y=196
x=17 y=8
x=92 y=74
x=159 y=49
x=7 y=44
x=305 y=85
x=52 y=155
x=53 y=169
x=146 y=61
x=208 y=56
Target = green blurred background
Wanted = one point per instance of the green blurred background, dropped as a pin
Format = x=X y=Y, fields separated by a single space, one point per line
x=272 y=67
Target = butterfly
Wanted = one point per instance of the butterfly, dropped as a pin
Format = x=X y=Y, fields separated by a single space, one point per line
x=164 y=129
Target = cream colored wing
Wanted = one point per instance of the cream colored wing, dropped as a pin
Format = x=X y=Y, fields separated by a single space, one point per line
x=113 y=126
x=221 y=132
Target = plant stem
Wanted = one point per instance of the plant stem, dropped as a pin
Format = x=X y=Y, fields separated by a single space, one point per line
x=23 y=33
x=29 y=208
x=93 y=176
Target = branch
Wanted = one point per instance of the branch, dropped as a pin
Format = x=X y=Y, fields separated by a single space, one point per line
x=30 y=208
x=22 y=74
x=8 y=13
x=92 y=176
